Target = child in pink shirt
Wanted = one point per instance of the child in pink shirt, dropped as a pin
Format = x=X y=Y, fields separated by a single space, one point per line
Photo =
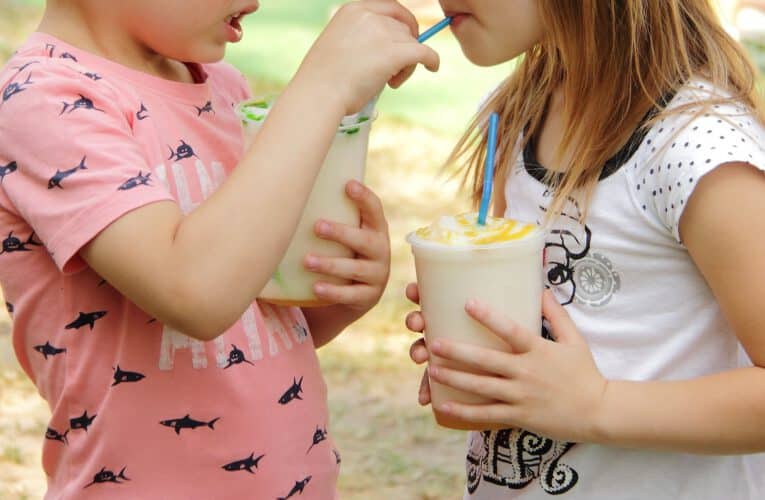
x=137 y=232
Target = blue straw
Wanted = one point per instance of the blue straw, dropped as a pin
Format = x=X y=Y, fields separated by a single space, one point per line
x=368 y=109
x=434 y=30
x=488 y=176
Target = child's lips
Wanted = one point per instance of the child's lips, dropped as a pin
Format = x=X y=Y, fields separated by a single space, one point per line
x=457 y=18
x=233 y=23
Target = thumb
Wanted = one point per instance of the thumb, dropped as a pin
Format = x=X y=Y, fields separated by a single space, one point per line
x=563 y=328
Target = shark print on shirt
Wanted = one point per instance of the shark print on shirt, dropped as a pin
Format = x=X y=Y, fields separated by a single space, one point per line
x=318 y=436
x=48 y=350
x=297 y=489
x=182 y=152
x=293 y=392
x=19 y=69
x=81 y=103
x=123 y=376
x=84 y=319
x=13 y=244
x=54 y=435
x=207 y=108
x=245 y=464
x=236 y=357
x=187 y=423
x=107 y=476
x=134 y=182
x=82 y=422
x=7 y=170
x=142 y=113
x=60 y=175
x=15 y=88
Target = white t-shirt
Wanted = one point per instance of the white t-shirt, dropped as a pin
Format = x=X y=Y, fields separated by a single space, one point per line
x=647 y=313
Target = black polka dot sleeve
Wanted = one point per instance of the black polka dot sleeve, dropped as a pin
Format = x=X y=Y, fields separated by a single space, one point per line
x=681 y=148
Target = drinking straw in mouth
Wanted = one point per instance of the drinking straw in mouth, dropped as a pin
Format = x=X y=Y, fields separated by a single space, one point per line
x=427 y=35
x=488 y=175
x=434 y=30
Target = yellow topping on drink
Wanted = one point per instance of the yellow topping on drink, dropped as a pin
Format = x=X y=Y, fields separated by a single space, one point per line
x=464 y=229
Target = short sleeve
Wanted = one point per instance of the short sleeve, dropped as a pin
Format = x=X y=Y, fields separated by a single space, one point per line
x=683 y=147
x=76 y=165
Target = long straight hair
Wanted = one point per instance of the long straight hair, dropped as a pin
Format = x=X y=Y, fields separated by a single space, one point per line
x=614 y=60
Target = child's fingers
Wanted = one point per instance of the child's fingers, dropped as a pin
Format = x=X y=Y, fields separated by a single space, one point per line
x=364 y=242
x=357 y=270
x=419 y=352
x=402 y=77
x=487 y=386
x=423 y=397
x=369 y=204
x=418 y=53
x=413 y=293
x=477 y=358
x=562 y=326
x=516 y=337
x=485 y=416
x=415 y=321
x=395 y=10
x=346 y=294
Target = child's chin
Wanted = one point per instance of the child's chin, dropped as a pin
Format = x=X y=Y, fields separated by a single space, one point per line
x=478 y=58
x=483 y=58
x=210 y=55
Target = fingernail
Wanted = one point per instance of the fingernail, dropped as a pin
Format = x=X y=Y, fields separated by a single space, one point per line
x=311 y=261
x=436 y=345
x=432 y=370
x=319 y=289
x=324 y=228
x=355 y=189
x=471 y=304
x=445 y=407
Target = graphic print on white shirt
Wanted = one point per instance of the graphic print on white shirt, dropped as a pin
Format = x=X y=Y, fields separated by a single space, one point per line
x=572 y=272
x=515 y=457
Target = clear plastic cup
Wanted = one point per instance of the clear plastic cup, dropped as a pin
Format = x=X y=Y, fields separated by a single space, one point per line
x=292 y=284
x=506 y=276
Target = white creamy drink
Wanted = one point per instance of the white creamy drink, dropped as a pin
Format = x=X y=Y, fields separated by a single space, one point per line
x=292 y=284
x=499 y=264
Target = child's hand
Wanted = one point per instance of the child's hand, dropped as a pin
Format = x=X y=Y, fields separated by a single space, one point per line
x=367 y=43
x=418 y=351
x=370 y=269
x=553 y=388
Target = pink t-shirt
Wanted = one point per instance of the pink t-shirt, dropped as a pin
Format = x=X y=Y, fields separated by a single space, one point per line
x=139 y=410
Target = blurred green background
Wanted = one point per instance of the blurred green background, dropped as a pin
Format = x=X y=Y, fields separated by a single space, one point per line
x=391 y=447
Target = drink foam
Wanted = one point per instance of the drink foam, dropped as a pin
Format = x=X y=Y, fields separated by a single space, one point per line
x=464 y=230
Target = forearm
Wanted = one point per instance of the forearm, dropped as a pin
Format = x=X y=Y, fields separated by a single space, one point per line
x=328 y=322
x=715 y=414
x=231 y=244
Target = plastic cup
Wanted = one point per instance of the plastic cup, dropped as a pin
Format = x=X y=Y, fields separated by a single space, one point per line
x=292 y=284
x=506 y=276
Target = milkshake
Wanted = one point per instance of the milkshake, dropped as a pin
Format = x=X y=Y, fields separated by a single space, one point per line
x=499 y=263
x=292 y=284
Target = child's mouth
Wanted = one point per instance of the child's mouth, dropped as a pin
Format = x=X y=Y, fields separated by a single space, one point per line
x=235 y=31
x=234 y=25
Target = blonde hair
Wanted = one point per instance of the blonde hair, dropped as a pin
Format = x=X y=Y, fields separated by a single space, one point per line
x=621 y=55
